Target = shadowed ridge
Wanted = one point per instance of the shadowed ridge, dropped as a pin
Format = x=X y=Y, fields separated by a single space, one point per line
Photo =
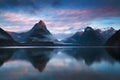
x=5 y=34
x=114 y=40
x=6 y=39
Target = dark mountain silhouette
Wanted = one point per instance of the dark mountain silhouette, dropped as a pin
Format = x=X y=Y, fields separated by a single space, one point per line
x=38 y=35
x=114 y=52
x=114 y=40
x=39 y=29
x=6 y=39
x=89 y=55
x=5 y=55
x=114 y=45
x=89 y=37
x=40 y=57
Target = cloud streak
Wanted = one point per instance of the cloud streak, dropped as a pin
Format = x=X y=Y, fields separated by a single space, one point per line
x=18 y=18
x=61 y=20
x=60 y=15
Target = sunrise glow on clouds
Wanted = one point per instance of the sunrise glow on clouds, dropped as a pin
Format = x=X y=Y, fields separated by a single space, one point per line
x=60 y=16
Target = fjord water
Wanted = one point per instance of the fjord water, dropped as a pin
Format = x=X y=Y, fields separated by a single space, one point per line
x=59 y=64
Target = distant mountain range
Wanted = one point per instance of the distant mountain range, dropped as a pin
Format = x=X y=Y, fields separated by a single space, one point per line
x=90 y=37
x=40 y=35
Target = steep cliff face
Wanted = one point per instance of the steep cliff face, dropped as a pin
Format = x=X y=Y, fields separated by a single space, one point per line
x=6 y=39
x=40 y=35
x=114 y=40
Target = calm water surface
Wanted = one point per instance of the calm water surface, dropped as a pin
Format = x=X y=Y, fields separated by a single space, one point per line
x=59 y=64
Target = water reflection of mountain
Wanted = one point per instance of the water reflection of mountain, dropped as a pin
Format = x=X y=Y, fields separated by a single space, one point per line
x=5 y=55
x=114 y=52
x=40 y=57
x=37 y=57
x=89 y=55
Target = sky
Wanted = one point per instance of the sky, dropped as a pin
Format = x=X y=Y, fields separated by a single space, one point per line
x=60 y=16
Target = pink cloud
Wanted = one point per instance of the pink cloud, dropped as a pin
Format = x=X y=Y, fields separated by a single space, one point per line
x=16 y=28
x=64 y=27
x=102 y=13
x=71 y=12
x=86 y=15
x=59 y=20
x=54 y=24
x=18 y=18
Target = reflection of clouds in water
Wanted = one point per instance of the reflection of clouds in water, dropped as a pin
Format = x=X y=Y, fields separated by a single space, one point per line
x=107 y=68
x=66 y=62
x=60 y=67
x=17 y=70
x=89 y=55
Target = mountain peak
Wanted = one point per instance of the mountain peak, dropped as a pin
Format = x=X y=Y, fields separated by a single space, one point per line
x=88 y=29
x=42 y=23
x=39 y=25
x=111 y=28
